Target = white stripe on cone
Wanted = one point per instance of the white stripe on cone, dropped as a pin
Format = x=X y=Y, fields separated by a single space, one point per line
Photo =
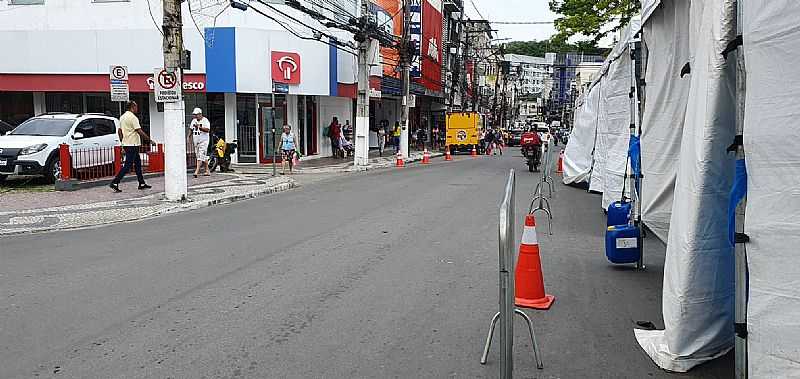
x=529 y=236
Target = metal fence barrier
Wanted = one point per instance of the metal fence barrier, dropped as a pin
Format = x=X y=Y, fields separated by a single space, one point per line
x=507 y=310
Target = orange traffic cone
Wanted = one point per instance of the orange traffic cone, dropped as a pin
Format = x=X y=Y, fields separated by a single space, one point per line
x=447 y=155
x=399 y=162
x=474 y=152
x=560 y=169
x=529 y=291
x=426 y=157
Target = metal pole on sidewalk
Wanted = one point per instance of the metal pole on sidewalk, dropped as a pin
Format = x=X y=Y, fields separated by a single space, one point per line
x=274 y=133
x=175 y=182
x=405 y=67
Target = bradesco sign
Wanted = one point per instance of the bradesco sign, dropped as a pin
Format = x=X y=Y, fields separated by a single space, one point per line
x=168 y=87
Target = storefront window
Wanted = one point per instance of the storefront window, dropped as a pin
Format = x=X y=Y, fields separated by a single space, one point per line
x=246 y=127
x=16 y=107
x=64 y=102
x=212 y=105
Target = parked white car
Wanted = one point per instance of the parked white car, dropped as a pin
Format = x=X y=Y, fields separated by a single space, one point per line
x=32 y=147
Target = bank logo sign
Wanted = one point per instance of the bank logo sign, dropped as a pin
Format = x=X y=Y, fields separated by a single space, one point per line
x=285 y=67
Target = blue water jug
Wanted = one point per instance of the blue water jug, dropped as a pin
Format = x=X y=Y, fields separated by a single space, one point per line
x=622 y=244
x=618 y=213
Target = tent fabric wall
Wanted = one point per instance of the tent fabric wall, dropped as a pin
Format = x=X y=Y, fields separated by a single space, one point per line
x=597 y=177
x=698 y=290
x=616 y=117
x=578 y=153
x=772 y=57
x=649 y=7
x=613 y=126
x=665 y=34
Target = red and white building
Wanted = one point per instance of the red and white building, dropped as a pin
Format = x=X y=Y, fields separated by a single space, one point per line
x=60 y=52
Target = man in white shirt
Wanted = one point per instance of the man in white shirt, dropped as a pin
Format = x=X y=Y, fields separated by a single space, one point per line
x=200 y=127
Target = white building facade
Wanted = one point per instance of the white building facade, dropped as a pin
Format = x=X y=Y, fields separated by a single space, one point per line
x=62 y=51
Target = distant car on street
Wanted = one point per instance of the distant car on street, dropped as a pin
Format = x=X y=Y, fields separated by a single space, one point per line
x=514 y=137
x=32 y=147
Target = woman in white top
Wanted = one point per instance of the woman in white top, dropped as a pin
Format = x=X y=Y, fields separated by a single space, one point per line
x=200 y=127
x=287 y=147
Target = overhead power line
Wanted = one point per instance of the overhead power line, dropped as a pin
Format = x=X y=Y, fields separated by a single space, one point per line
x=476 y=9
x=521 y=22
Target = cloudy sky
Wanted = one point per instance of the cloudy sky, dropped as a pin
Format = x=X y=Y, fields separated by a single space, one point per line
x=515 y=10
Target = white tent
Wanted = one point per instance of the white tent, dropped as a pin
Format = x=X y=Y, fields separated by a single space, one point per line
x=698 y=290
x=771 y=134
x=667 y=40
x=578 y=153
x=614 y=119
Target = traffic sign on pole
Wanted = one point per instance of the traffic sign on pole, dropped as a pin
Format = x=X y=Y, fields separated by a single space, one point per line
x=167 y=85
x=118 y=79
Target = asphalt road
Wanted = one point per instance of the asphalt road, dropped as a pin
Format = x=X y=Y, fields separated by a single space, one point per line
x=371 y=275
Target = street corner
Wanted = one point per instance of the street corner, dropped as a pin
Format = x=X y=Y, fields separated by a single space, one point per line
x=82 y=215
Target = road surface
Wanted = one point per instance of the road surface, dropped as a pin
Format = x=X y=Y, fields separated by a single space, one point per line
x=371 y=275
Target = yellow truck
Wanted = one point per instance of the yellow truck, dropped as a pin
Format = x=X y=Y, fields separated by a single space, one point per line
x=463 y=131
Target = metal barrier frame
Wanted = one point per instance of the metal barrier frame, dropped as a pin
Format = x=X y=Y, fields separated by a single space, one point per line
x=506 y=255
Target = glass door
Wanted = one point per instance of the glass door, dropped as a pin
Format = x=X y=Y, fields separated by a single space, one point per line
x=271 y=121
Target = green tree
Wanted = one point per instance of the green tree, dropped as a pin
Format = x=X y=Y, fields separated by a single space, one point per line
x=592 y=18
x=553 y=45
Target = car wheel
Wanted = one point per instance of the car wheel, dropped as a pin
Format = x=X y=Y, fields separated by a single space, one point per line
x=52 y=170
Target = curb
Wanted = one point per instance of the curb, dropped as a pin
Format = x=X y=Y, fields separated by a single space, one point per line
x=174 y=208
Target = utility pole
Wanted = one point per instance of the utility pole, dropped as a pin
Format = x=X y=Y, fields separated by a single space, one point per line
x=405 y=64
x=361 y=155
x=175 y=182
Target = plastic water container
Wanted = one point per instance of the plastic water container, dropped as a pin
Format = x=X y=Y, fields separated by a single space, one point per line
x=618 y=213
x=622 y=244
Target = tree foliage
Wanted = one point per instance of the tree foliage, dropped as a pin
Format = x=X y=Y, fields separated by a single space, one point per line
x=553 y=45
x=593 y=19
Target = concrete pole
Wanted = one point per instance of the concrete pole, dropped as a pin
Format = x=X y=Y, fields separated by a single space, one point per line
x=361 y=155
x=175 y=182
x=404 y=61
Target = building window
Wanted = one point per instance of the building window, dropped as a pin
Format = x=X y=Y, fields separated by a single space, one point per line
x=68 y=102
x=16 y=107
x=25 y=2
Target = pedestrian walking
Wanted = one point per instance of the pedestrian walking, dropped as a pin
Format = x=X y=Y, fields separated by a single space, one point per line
x=396 y=136
x=200 y=127
x=335 y=131
x=348 y=130
x=287 y=147
x=421 y=138
x=500 y=141
x=131 y=135
x=435 y=138
x=381 y=138
x=489 y=140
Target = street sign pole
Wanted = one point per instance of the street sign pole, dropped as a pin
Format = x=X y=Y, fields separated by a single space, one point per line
x=169 y=79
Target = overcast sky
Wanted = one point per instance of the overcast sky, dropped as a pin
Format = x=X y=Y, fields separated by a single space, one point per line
x=515 y=10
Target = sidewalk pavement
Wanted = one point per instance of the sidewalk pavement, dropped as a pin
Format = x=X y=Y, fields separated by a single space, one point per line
x=28 y=212
x=39 y=212
x=338 y=165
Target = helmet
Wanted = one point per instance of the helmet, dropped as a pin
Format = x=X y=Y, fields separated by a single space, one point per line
x=197 y=111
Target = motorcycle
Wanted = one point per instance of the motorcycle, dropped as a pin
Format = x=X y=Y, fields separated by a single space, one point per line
x=531 y=150
x=220 y=153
